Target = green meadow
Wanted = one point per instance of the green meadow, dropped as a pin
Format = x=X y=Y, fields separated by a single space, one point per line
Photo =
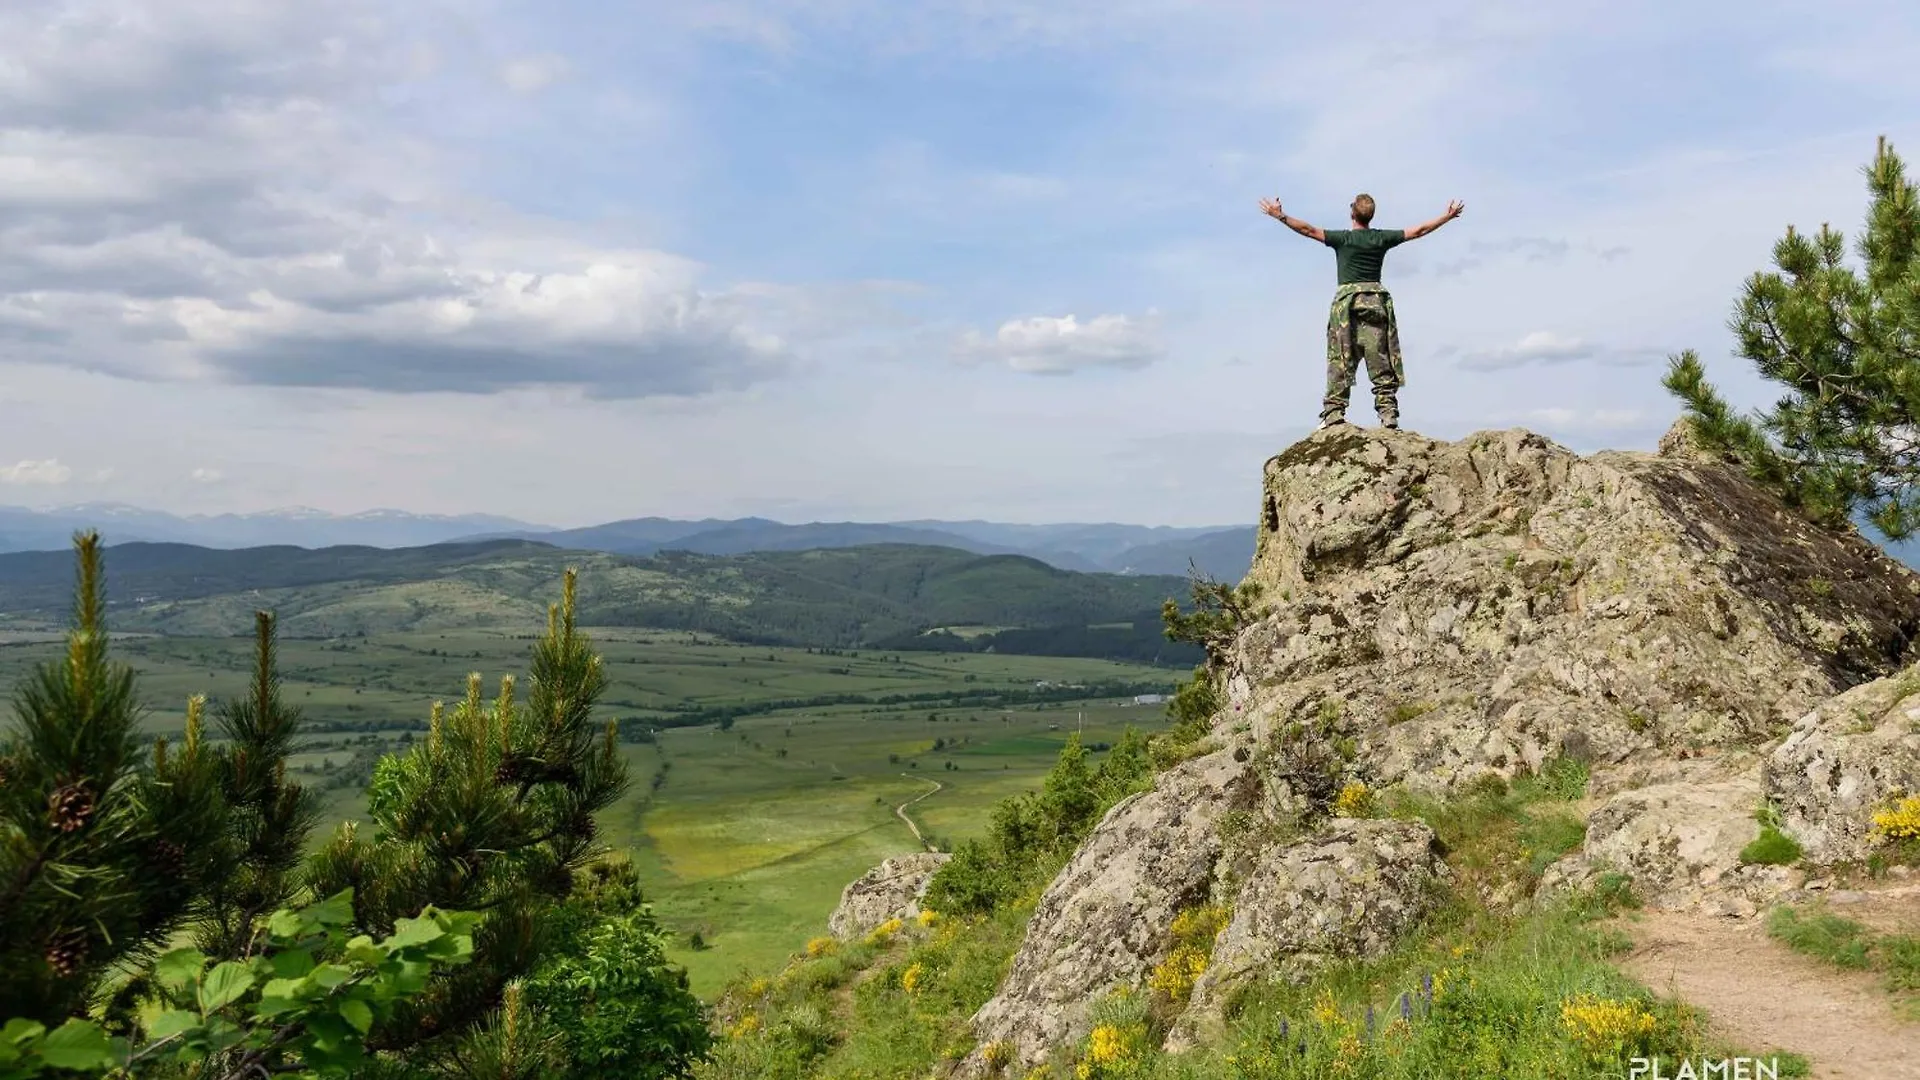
x=745 y=836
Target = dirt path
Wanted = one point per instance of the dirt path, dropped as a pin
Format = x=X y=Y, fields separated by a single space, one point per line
x=1763 y=996
x=901 y=810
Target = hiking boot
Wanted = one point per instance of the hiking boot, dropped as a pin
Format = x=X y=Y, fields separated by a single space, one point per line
x=1331 y=422
x=1390 y=421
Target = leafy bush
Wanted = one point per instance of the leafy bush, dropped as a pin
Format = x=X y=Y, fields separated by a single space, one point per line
x=305 y=1004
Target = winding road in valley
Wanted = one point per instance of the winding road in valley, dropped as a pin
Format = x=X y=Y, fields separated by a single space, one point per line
x=901 y=810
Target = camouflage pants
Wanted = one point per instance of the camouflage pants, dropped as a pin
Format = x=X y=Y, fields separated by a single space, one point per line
x=1361 y=326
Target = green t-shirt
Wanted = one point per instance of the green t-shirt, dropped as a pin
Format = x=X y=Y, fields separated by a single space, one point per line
x=1360 y=252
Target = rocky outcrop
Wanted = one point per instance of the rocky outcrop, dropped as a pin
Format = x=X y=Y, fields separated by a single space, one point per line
x=1444 y=611
x=1349 y=892
x=891 y=890
x=1844 y=760
x=1103 y=922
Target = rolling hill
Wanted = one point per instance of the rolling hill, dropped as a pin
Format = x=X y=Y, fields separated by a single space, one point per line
x=835 y=597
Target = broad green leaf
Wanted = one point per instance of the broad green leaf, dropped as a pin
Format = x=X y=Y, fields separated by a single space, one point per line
x=335 y=910
x=355 y=1012
x=224 y=985
x=293 y=963
x=287 y=925
x=408 y=933
x=172 y=1022
x=178 y=969
x=20 y=1030
x=78 y=1045
x=329 y=976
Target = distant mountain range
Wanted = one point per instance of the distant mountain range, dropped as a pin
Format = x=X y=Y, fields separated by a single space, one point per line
x=1224 y=552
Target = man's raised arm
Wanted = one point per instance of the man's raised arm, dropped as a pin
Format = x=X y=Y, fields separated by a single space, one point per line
x=1454 y=210
x=1271 y=208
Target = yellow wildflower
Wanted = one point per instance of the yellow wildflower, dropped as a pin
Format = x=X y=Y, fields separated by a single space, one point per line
x=1354 y=800
x=822 y=946
x=746 y=1026
x=1178 y=972
x=910 y=978
x=885 y=931
x=1325 y=1012
x=1603 y=1025
x=928 y=918
x=1901 y=821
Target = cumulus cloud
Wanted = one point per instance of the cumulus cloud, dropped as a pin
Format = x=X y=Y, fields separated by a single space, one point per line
x=1044 y=345
x=208 y=196
x=48 y=471
x=207 y=476
x=1539 y=347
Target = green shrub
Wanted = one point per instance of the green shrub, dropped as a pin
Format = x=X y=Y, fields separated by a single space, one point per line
x=1771 y=848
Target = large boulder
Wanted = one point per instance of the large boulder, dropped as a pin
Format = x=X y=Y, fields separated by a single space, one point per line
x=1103 y=923
x=1844 y=760
x=891 y=890
x=1678 y=835
x=1349 y=892
x=1444 y=611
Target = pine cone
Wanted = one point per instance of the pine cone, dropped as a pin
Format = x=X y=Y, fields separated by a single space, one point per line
x=66 y=952
x=70 y=807
x=513 y=769
x=167 y=858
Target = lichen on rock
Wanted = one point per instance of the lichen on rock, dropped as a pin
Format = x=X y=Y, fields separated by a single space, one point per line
x=891 y=890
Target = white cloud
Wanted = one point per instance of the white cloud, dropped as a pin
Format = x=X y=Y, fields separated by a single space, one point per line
x=1539 y=347
x=531 y=74
x=207 y=476
x=1043 y=345
x=48 y=471
x=214 y=196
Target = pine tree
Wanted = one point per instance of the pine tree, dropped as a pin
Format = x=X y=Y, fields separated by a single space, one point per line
x=103 y=849
x=493 y=812
x=1844 y=440
x=268 y=818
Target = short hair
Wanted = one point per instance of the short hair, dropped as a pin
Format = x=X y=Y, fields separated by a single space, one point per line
x=1363 y=209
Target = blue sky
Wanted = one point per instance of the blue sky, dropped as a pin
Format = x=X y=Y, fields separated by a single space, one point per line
x=831 y=259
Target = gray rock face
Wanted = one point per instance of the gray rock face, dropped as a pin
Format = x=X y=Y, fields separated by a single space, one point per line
x=891 y=890
x=1843 y=761
x=1103 y=922
x=1348 y=892
x=1442 y=611
x=1678 y=836
x=1483 y=605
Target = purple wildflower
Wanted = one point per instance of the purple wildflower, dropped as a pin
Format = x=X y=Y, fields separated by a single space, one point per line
x=1406 y=1007
x=1369 y=1020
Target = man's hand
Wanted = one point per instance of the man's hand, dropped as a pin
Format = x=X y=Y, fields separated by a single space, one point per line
x=1271 y=208
x=1454 y=210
